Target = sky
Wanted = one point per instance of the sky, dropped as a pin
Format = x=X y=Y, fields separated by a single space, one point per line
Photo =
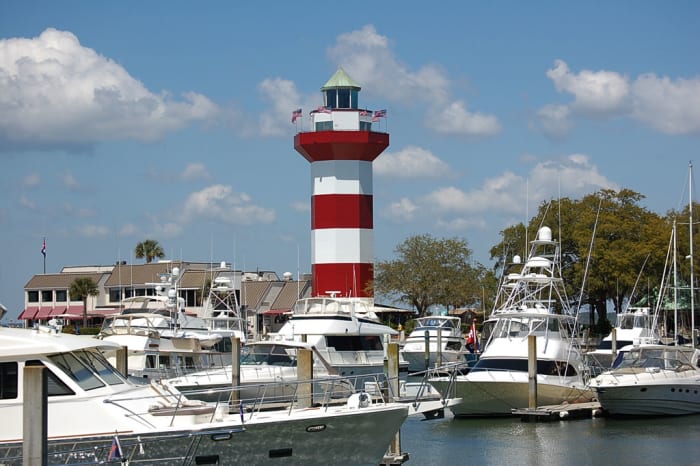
x=125 y=121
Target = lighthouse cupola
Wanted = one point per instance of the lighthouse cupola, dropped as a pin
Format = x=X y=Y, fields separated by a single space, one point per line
x=340 y=92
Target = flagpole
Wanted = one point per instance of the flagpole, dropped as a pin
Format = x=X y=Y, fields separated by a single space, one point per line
x=43 y=253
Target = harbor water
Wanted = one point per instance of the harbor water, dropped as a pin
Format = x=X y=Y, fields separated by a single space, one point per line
x=595 y=441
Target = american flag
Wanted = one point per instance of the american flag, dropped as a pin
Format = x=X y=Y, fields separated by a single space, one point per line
x=378 y=114
x=116 y=450
x=296 y=114
x=364 y=112
x=323 y=109
x=43 y=247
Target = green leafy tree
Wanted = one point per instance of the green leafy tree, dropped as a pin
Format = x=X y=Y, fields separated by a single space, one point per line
x=81 y=288
x=149 y=249
x=430 y=271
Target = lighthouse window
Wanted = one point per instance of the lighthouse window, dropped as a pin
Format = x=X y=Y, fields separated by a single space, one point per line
x=324 y=126
x=331 y=98
x=343 y=98
x=353 y=98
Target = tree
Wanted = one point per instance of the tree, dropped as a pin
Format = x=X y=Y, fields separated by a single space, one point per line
x=81 y=288
x=429 y=271
x=150 y=249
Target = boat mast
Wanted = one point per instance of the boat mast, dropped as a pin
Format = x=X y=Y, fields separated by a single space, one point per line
x=692 y=279
x=675 y=287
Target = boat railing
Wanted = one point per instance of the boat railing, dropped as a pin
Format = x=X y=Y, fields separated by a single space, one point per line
x=170 y=404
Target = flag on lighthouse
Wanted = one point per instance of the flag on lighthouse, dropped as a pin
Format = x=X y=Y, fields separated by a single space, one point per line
x=323 y=109
x=378 y=114
x=296 y=114
x=43 y=247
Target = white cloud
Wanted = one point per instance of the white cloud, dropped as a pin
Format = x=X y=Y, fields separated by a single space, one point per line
x=300 y=206
x=54 y=92
x=31 y=181
x=69 y=181
x=667 y=105
x=367 y=57
x=195 y=171
x=27 y=203
x=404 y=210
x=601 y=92
x=219 y=202
x=129 y=230
x=672 y=107
x=456 y=119
x=91 y=231
x=554 y=120
x=410 y=162
x=70 y=211
x=506 y=195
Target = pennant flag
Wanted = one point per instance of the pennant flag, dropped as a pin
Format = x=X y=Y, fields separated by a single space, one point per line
x=115 y=452
x=473 y=339
x=43 y=248
x=296 y=114
x=378 y=114
x=323 y=109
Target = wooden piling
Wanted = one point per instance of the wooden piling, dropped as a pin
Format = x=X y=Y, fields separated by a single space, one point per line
x=235 y=371
x=35 y=416
x=532 y=371
x=305 y=373
x=123 y=361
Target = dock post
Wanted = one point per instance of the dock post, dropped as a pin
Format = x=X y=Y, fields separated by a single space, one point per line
x=438 y=361
x=305 y=373
x=426 y=351
x=613 y=334
x=391 y=364
x=123 y=361
x=35 y=416
x=532 y=371
x=235 y=372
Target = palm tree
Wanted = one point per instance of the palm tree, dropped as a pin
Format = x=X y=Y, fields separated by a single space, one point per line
x=150 y=249
x=81 y=288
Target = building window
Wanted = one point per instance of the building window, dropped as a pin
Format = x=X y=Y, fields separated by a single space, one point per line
x=33 y=296
x=61 y=296
x=115 y=295
x=324 y=126
x=343 y=98
x=46 y=296
x=331 y=98
x=353 y=98
x=365 y=126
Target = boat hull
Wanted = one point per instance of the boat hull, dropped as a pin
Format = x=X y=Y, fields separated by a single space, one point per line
x=650 y=400
x=484 y=398
x=360 y=439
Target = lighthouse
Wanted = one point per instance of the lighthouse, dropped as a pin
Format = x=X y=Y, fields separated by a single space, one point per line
x=341 y=147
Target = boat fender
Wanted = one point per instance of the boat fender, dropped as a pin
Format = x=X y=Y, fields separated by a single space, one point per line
x=358 y=400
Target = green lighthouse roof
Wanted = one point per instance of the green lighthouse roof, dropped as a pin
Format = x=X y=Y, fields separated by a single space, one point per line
x=341 y=80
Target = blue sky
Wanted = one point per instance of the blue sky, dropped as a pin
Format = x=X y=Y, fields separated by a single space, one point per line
x=121 y=121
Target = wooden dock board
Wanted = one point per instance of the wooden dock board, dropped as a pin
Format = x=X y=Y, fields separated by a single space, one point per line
x=559 y=412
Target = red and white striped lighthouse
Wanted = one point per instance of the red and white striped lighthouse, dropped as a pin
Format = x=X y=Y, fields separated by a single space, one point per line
x=341 y=148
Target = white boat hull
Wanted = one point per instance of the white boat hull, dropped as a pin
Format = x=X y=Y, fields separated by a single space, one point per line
x=488 y=396
x=657 y=400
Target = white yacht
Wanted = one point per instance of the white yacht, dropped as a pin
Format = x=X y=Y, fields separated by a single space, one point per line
x=267 y=368
x=651 y=380
x=96 y=416
x=634 y=326
x=345 y=331
x=445 y=342
x=534 y=304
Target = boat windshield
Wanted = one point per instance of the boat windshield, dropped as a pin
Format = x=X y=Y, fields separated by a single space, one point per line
x=273 y=355
x=661 y=358
x=524 y=326
x=89 y=369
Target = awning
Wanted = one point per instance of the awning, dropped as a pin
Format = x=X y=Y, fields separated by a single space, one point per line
x=58 y=311
x=43 y=313
x=276 y=312
x=28 y=313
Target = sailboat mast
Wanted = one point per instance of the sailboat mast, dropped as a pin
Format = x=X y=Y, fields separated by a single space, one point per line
x=675 y=286
x=692 y=258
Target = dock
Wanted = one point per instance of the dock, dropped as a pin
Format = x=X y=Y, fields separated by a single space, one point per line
x=565 y=411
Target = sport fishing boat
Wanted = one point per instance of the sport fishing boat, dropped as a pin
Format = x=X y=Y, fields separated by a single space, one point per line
x=534 y=304
x=445 y=342
x=96 y=416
